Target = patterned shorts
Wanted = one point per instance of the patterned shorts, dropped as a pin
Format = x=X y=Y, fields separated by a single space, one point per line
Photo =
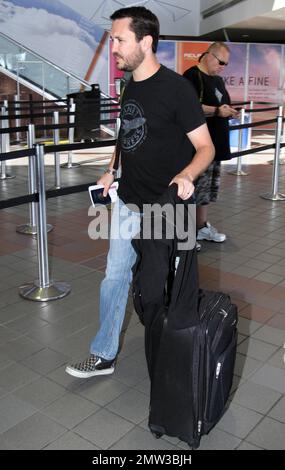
x=207 y=185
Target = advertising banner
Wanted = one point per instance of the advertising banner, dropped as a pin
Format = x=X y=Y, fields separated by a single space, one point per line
x=188 y=54
x=264 y=72
x=260 y=82
x=234 y=72
x=166 y=54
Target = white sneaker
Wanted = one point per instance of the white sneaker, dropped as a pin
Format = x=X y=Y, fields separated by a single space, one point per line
x=198 y=246
x=210 y=233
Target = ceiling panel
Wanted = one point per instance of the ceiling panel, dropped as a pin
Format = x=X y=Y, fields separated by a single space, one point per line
x=181 y=18
x=176 y=17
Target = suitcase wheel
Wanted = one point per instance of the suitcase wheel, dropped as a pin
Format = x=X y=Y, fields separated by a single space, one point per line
x=157 y=435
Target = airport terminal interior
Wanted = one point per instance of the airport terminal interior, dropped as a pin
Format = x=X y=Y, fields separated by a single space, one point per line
x=42 y=407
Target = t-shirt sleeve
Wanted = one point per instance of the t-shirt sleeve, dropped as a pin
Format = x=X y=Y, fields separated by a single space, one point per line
x=189 y=112
x=193 y=77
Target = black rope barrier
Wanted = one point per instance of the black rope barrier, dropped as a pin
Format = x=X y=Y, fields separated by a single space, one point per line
x=33 y=115
x=79 y=188
x=255 y=150
x=50 y=114
x=51 y=193
x=61 y=100
x=43 y=127
x=79 y=146
x=259 y=110
x=44 y=101
x=37 y=106
x=10 y=130
x=235 y=103
x=18 y=201
x=16 y=154
x=254 y=102
x=264 y=102
x=251 y=124
x=58 y=148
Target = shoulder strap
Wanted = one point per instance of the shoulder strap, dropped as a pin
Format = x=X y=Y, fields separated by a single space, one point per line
x=118 y=143
x=117 y=152
x=201 y=86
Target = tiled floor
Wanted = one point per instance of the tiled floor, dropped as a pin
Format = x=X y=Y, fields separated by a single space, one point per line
x=43 y=408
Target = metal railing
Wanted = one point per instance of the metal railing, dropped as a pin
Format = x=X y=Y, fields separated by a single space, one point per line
x=32 y=67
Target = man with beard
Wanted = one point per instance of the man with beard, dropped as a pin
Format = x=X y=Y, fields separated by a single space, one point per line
x=163 y=140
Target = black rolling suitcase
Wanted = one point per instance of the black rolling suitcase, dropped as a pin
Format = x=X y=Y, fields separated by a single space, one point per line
x=190 y=347
x=192 y=370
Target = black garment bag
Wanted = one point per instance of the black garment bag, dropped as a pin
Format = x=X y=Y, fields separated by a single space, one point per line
x=190 y=340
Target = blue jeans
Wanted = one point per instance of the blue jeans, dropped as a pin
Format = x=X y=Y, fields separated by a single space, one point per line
x=125 y=224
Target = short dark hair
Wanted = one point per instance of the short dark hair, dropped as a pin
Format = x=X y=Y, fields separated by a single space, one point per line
x=143 y=23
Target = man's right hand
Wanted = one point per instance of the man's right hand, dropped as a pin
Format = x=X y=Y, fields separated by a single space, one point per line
x=106 y=180
x=227 y=111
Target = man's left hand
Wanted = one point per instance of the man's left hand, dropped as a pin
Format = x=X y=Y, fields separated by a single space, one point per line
x=185 y=185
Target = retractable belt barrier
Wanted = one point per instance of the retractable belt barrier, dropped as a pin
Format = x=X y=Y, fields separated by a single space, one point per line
x=106 y=114
x=60 y=100
x=244 y=138
x=57 y=148
x=252 y=124
x=261 y=110
x=50 y=114
x=273 y=195
x=42 y=127
x=44 y=289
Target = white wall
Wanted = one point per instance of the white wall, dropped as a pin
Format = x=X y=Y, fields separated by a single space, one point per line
x=240 y=12
x=176 y=17
x=205 y=4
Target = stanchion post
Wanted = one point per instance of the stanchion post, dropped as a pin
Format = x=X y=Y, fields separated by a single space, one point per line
x=56 y=154
x=5 y=143
x=31 y=227
x=282 y=160
x=17 y=121
x=274 y=195
x=69 y=163
x=118 y=125
x=239 y=171
x=43 y=289
x=32 y=176
x=250 y=121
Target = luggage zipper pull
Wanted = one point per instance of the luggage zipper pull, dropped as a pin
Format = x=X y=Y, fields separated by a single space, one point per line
x=177 y=259
x=223 y=312
x=218 y=369
x=199 y=427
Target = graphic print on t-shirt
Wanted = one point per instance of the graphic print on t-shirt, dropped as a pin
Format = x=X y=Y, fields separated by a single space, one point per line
x=219 y=95
x=133 y=126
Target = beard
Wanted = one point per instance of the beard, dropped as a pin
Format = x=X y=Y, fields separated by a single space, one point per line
x=130 y=63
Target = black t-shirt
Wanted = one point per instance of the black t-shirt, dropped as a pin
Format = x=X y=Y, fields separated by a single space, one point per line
x=156 y=115
x=211 y=91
